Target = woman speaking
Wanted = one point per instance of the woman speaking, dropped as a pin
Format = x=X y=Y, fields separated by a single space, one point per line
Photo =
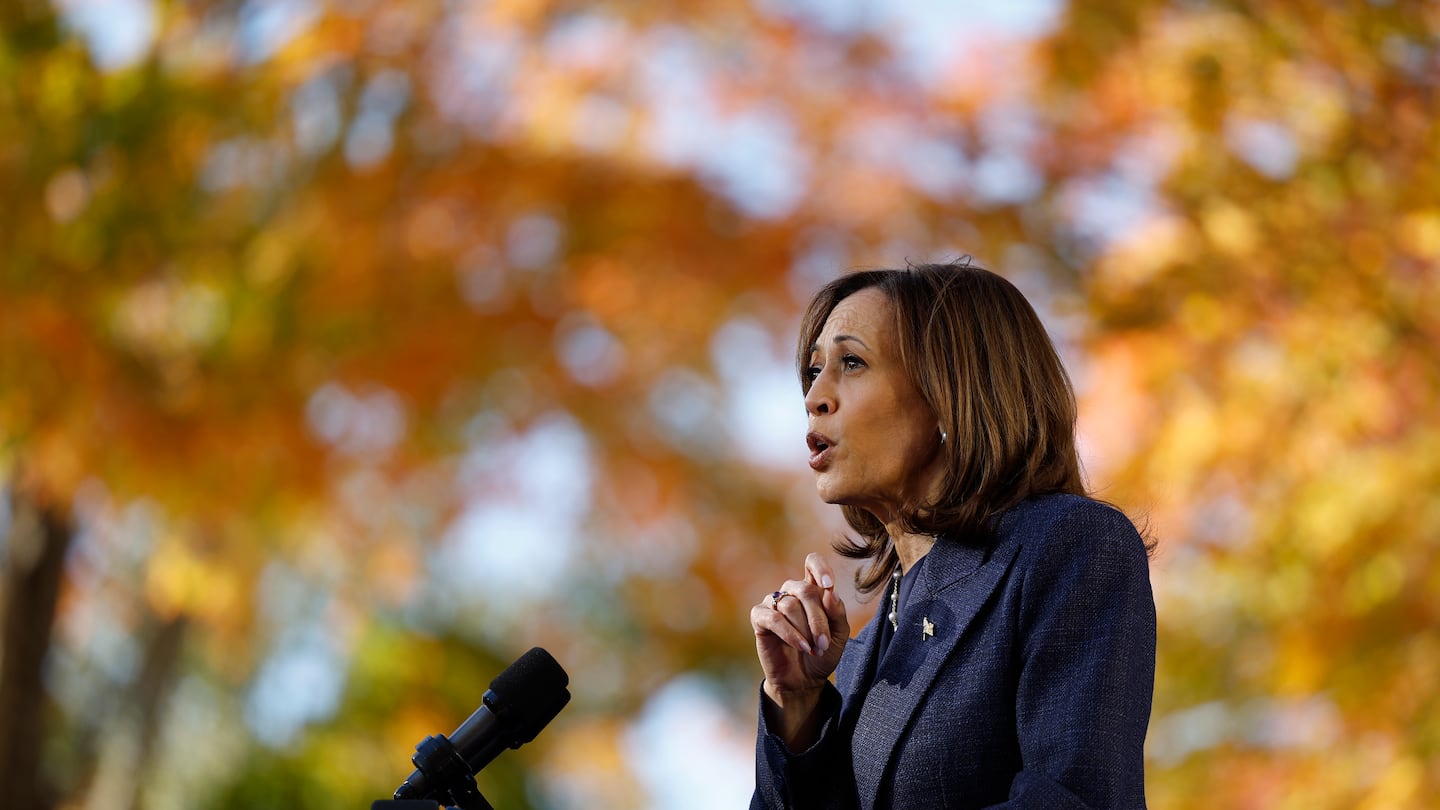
x=1012 y=658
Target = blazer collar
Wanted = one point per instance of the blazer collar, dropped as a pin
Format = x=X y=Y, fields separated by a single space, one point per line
x=955 y=583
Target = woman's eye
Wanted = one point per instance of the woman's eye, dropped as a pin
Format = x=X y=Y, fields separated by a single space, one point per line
x=812 y=372
x=852 y=362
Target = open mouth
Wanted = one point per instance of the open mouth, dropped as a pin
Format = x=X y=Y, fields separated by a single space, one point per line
x=818 y=442
x=820 y=446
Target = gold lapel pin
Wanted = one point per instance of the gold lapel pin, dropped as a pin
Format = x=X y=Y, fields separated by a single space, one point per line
x=927 y=629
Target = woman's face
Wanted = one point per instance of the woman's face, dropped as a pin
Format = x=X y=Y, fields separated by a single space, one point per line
x=874 y=443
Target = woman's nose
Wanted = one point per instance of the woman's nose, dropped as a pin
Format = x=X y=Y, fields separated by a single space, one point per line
x=819 y=400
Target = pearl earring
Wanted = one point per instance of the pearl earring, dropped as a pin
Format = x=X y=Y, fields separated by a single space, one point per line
x=944 y=437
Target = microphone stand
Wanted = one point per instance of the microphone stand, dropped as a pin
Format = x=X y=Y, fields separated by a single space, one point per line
x=447 y=773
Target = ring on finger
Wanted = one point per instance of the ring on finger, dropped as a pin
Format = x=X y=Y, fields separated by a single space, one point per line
x=776 y=597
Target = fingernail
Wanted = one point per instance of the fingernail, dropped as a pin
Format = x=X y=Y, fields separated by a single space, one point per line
x=827 y=582
x=823 y=643
x=806 y=647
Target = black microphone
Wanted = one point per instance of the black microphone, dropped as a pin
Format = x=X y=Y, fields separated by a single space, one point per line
x=521 y=700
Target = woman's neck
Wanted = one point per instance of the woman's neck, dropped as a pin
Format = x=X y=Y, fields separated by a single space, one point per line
x=910 y=546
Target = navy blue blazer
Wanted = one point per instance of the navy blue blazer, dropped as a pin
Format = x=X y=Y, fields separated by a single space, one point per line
x=1021 y=676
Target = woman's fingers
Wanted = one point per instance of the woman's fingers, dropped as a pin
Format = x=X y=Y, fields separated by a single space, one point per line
x=806 y=610
x=835 y=612
x=800 y=632
x=801 y=608
x=817 y=570
x=766 y=619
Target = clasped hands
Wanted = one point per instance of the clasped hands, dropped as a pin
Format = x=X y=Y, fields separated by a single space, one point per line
x=800 y=632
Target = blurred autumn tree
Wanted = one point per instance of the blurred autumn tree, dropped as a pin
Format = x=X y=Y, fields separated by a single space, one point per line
x=347 y=350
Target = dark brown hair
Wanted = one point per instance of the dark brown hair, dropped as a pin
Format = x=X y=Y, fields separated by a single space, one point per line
x=981 y=359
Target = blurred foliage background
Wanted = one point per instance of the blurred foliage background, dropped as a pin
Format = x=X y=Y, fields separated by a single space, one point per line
x=348 y=349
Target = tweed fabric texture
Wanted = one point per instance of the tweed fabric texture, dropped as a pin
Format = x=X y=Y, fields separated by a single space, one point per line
x=1033 y=691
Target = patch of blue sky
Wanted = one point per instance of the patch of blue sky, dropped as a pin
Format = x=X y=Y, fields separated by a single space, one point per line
x=472 y=70
x=1005 y=177
x=533 y=241
x=1009 y=124
x=677 y=91
x=588 y=40
x=928 y=36
x=1268 y=146
x=118 y=33
x=761 y=168
x=266 y=26
x=98 y=650
x=764 y=410
x=937 y=167
x=685 y=408
x=1147 y=157
x=934 y=163
x=687 y=749
x=835 y=16
x=1030 y=270
x=876 y=140
x=315 y=113
x=301 y=681
x=589 y=352
x=372 y=135
x=751 y=155
x=660 y=548
x=244 y=161
x=369 y=141
x=96 y=657
x=1104 y=207
x=1004 y=174
x=823 y=255
x=515 y=542
x=366 y=423
x=110 y=646
x=1306 y=723
x=387 y=93
x=506 y=556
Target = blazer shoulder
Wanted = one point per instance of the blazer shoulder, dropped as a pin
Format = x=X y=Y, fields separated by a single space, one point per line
x=1057 y=523
x=1084 y=568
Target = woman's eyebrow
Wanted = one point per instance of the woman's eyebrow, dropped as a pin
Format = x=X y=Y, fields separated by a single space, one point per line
x=815 y=347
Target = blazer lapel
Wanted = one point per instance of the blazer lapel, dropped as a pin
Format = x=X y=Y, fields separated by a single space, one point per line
x=857 y=665
x=955 y=583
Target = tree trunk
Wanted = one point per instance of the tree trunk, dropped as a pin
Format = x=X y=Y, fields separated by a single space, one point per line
x=39 y=537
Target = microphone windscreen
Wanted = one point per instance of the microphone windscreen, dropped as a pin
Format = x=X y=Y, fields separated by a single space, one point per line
x=539 y=717
x=535 y=677
x=528 y=695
